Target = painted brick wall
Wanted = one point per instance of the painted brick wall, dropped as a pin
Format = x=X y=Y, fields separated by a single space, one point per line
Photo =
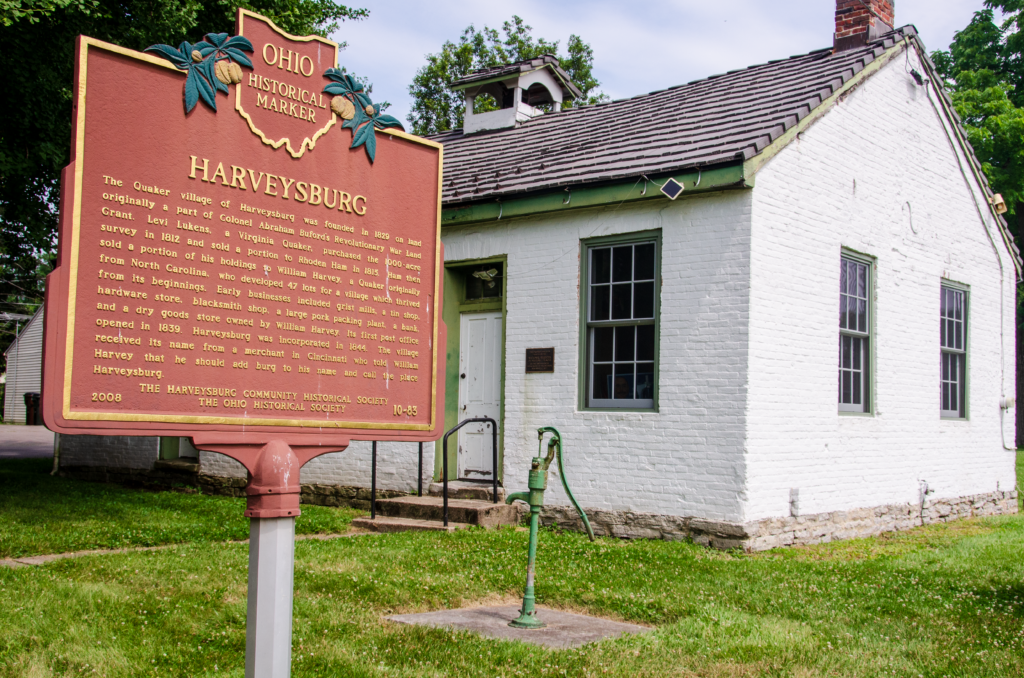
x=686 y=459
x=877 y=175
x=134 y=452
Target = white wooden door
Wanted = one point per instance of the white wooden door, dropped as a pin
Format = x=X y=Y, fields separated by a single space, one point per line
x=479 y=391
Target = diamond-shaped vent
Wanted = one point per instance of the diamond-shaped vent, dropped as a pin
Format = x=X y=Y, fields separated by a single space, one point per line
x=672 y=188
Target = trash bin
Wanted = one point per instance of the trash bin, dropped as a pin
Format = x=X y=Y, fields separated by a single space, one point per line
x=32 y=415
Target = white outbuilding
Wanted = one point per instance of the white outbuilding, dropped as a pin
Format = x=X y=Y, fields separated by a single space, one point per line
x=24 y=360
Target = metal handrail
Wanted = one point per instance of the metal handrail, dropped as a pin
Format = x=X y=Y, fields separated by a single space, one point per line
x=419 y=478
x=494 y=457
x=373 y=480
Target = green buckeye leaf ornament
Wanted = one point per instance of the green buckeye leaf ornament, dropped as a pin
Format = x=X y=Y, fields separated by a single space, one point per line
x=201 y=82
x=367 y=118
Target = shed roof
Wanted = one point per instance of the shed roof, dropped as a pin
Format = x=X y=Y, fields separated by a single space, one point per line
x=718 y=120
x=508 y=70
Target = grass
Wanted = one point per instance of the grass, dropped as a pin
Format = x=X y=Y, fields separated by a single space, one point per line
x=944 y=600
x=40 y=514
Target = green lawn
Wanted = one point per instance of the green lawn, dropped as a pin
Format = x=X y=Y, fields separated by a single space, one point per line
x=944 y=600
x=41 y=514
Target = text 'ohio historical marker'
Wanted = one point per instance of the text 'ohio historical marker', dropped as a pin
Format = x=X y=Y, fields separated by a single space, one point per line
x=249 y=256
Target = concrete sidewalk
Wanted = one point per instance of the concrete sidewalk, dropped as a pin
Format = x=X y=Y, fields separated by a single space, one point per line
x=25 y=442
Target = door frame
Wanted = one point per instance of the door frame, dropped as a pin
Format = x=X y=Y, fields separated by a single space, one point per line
x=455 y=305
x=466 y=319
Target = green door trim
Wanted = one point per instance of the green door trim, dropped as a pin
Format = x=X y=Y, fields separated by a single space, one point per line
x=455 y=305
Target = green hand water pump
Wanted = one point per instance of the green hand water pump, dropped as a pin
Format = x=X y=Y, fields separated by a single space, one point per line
x=535 y=498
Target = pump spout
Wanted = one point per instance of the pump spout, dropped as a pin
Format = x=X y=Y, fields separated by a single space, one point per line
x=520 y=496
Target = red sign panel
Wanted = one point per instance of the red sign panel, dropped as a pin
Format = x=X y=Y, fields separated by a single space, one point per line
x=269 y=262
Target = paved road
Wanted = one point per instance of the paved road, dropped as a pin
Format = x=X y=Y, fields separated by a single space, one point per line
x=25 y=442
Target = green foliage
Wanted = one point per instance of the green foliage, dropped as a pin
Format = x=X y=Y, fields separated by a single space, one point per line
x=438 y=108
x=35 y=130
x=984 y=72
x=995 y=128
x=12 y=11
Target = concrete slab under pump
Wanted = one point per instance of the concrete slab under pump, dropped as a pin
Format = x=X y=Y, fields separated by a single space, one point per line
x=563 y=630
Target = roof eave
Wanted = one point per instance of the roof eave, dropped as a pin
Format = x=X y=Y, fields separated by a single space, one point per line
x=589 y=195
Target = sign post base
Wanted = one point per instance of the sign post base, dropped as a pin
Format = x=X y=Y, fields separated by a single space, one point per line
x=268 y=625
x=272 y=504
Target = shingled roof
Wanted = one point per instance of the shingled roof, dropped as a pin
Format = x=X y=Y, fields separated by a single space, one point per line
x=718 y=120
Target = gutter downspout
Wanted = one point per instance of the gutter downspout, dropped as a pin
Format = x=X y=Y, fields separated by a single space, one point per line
x=964 y=144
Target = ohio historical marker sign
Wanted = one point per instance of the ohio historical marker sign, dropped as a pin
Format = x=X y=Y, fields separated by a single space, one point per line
x=247 y=244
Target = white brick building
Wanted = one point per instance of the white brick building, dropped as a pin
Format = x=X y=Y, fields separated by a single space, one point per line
x=725 y=423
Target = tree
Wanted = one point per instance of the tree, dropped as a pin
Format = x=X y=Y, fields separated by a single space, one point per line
x=37 y=39
x=984 y=73
x=438 y=108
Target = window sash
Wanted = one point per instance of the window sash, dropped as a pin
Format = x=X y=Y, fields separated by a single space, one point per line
x=953 y=353
x=854 y=374
x=622 y=306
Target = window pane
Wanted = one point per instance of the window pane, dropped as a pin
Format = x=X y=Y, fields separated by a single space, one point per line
x=645 y=342
x=599 y=301
x=855 y=378
x=643 y=300
x=601 y=265
x=645 y=380
x=624 y=344
x=623 y=381
x=644 y=265
x=622 y=302
x=862 y=315
x=622 y=358
x=622 y=264
x=844 y=283
x=844 y=312
x=602 y=386
x=603 y=338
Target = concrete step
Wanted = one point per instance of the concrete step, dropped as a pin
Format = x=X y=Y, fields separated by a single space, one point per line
x=392 y=524
x=180 y=465
x=470 y=511
x=461 y=489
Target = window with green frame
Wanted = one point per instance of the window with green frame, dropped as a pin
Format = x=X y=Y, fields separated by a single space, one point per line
x=620 y=312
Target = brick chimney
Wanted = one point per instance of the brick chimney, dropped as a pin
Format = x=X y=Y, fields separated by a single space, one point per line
x=861 y=21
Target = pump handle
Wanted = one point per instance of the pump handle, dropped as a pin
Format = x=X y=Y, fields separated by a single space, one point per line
x=556 y=441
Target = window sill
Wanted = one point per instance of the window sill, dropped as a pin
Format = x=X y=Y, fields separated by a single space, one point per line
x=856 y=414
x=615 y=410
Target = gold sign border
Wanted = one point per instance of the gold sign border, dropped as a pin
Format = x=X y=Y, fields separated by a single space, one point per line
x=307 y=143
x=72 y=299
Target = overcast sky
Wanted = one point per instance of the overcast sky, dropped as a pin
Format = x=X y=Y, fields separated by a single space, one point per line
x=638 y=46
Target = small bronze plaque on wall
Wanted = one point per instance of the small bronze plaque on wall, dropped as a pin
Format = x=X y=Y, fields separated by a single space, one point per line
x=540 y=360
